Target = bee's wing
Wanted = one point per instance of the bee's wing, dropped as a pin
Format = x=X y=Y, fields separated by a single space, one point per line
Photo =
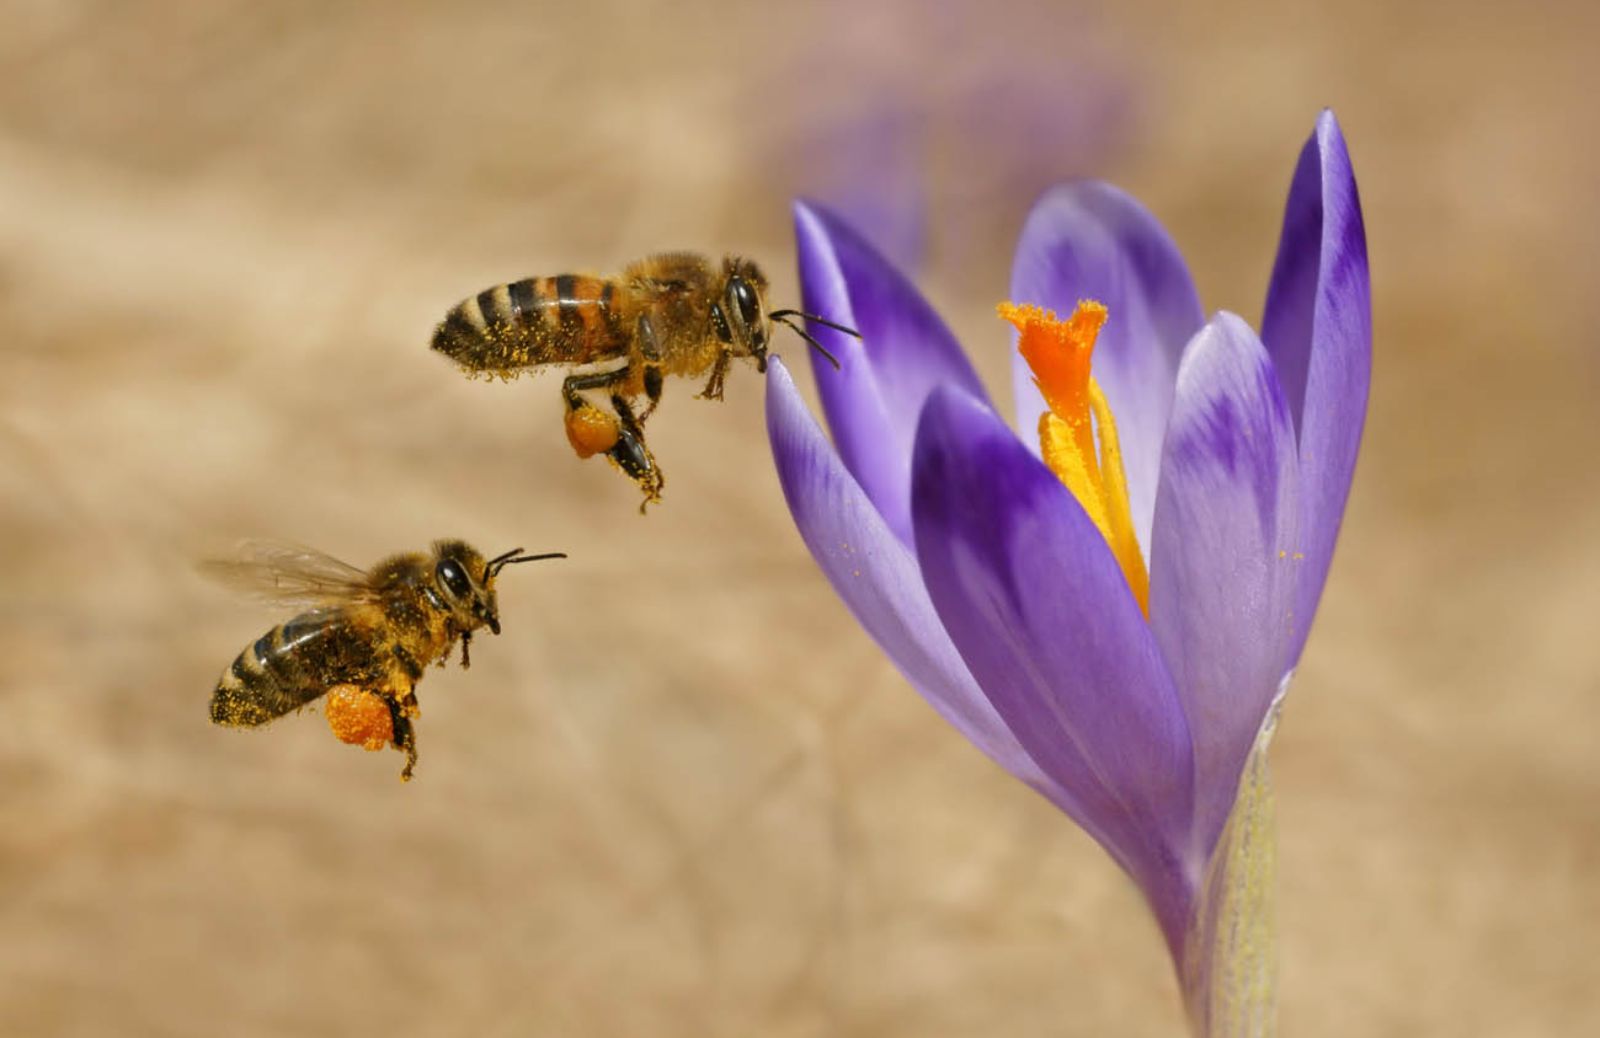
x=291 y=574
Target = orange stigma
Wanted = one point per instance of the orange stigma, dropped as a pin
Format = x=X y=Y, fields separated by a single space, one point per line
x=1058 y=352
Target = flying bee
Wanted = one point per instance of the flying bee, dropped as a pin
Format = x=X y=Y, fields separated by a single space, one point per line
x=366 y=637
x=673 y=314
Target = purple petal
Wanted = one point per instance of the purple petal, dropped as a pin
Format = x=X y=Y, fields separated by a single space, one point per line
x=1043 y=617
x=873 y=401
x=877 y=576
x=1223 y=561
x=1318 y=328
x=1089 y=240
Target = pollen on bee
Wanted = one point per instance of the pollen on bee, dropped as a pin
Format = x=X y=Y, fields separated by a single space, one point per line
x=359 y=717
x=591 y=431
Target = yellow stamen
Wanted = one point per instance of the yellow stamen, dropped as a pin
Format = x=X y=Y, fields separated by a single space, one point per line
x=1058 y=352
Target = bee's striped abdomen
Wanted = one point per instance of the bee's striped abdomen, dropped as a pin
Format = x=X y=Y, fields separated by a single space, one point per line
x=568 y=319
x=286 y=668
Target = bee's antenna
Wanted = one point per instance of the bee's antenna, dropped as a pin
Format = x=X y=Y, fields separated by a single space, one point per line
x=807 y=335
x=500 y=560
x=780 y=314
x=511 y=558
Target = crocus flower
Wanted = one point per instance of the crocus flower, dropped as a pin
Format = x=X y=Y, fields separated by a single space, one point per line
x=1110 y=598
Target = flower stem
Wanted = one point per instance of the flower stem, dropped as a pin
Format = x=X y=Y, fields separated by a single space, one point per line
x=1231 y=969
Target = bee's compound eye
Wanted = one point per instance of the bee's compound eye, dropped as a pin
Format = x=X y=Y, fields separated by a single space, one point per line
x=744 y=299
x=453 y=579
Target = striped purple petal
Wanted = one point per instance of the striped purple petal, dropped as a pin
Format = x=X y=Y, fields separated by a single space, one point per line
x=877 y=576
x=1042 y=615
x=1223 y=562
x=1088 y=240
x=1318 y=328
x=873 y=400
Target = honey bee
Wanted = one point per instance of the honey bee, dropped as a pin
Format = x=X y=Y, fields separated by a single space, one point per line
x=672 y=314
x=366 y=638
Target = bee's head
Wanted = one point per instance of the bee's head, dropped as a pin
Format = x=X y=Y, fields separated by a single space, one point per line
x=739 y=313
x=463 y=581
x=741 y=319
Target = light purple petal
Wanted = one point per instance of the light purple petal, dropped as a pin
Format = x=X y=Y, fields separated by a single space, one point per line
x=1318 y=328
x=877 y=576
x=873 y=401
x=1088 y=240
x=1038 y=608
x=1223 y=563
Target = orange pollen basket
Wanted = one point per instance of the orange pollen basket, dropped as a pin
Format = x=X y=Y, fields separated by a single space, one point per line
x=359 y=717
x=1058 y=352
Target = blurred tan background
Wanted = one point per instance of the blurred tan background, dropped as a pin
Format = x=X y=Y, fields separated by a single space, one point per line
x=683 y=794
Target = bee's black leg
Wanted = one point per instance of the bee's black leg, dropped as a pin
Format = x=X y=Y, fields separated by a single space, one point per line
x=650 y=349
x=408 y=662
x=628 y=451
x=575 y=384
x=466 y=644
x=633 y=457
x=405 y=734
x=719 y=373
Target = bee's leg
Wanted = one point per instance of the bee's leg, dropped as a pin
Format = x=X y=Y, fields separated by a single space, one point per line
x=590 y=430
x=575 y=384
x=408 y=663
x=650 y=348
x=466 y=644
x=405 y=734
x=633 y=457
x=719 y=372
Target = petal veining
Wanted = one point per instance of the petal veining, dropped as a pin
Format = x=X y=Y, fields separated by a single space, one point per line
x=1225 y=558
x=877 y=576
x=1039 y=610
x=872 y=402
x=1318 y=328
